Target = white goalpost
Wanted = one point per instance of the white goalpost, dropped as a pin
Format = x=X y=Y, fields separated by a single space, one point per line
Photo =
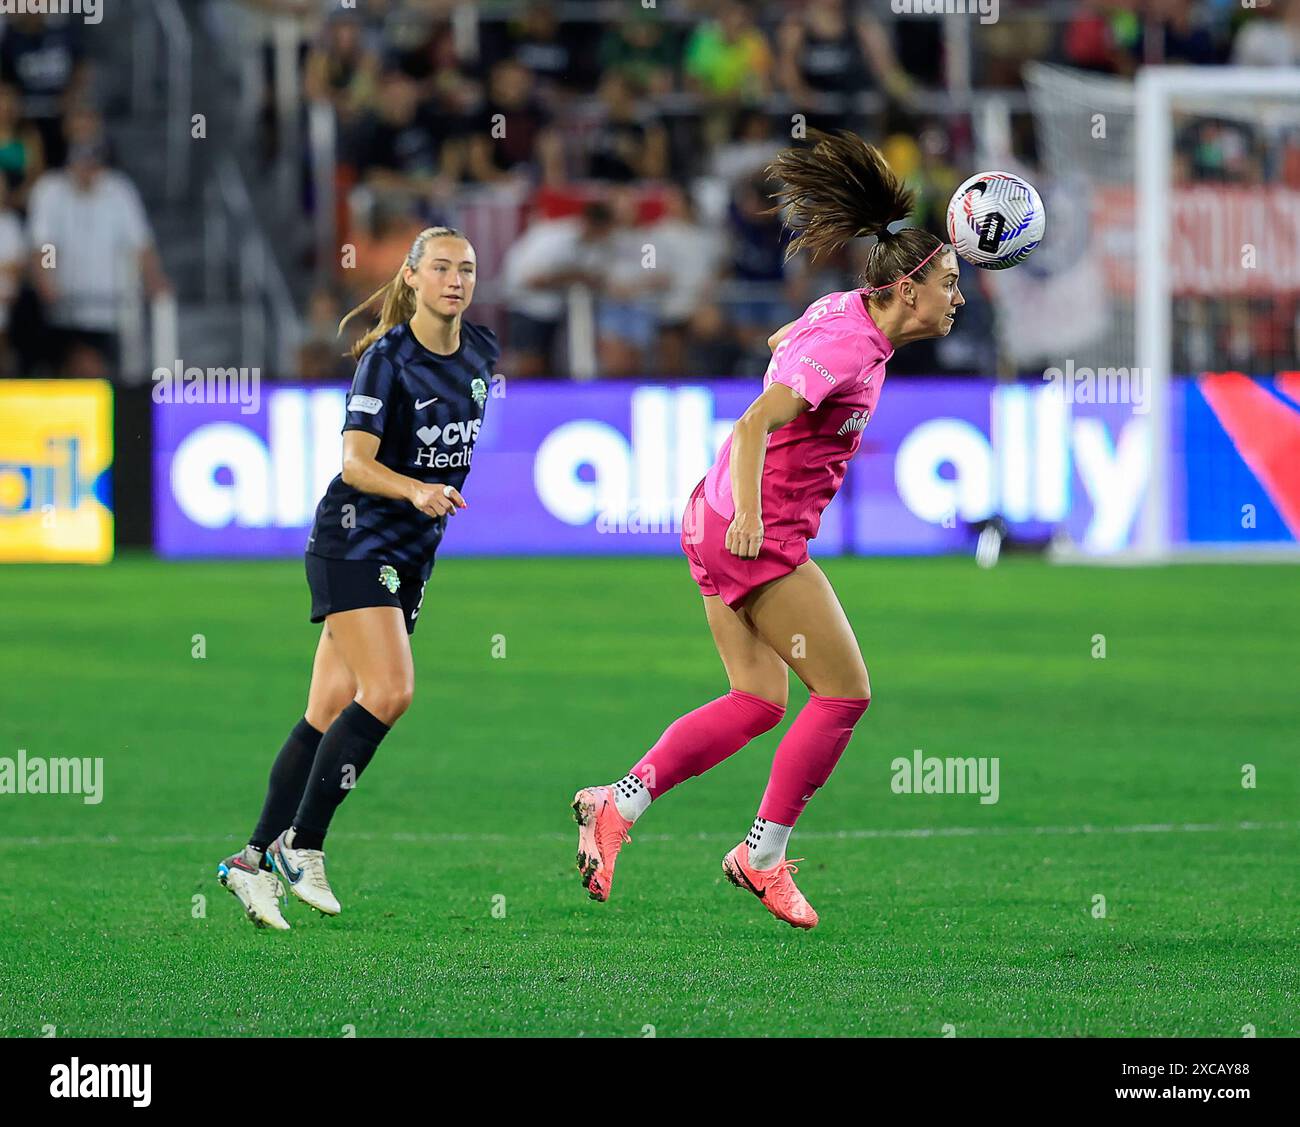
x=1145 y=154
x=1159 y=91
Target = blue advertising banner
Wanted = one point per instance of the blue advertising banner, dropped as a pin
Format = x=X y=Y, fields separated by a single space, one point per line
x=1242 y=453
x=607 y=468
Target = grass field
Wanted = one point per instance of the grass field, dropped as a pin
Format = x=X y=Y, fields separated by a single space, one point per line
x=935 y=909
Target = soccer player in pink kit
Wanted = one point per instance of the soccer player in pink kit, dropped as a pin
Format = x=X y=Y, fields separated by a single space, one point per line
x=747 y=525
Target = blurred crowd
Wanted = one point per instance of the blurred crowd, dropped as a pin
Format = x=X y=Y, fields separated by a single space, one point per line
x=605 y=141
x=75 y=244
x=1118 y=37
x=605 y=157
x=625 y=157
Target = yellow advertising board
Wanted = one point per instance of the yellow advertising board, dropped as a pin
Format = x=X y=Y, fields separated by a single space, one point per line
x=56 y=458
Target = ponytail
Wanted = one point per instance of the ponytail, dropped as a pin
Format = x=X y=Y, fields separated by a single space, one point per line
x=399 y=298
x=841 y=188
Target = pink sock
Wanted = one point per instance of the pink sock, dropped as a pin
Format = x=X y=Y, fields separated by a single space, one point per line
x=807 y=755
x=704 y=738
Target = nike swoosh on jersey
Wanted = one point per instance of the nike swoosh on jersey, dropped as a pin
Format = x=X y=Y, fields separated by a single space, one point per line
x=421 y=404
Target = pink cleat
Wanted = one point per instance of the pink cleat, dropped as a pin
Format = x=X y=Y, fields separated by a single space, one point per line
x=602 y=830
x=774 y=887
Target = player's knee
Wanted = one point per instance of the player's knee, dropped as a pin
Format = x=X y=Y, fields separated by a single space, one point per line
x=387 y=701
x=325 y=702
x=845 y=686
x=399 y=699
x=774 y=692
x=321 y=714
x=858 y=690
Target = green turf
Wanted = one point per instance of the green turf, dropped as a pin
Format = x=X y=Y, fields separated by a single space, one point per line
x=467 y=802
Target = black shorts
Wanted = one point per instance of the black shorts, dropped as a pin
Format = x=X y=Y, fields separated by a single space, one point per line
x=339 y=585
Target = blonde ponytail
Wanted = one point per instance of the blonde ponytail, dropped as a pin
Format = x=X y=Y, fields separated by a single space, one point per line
x=399 y=298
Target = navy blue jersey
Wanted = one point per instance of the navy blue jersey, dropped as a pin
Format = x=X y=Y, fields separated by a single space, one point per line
x=426 y=410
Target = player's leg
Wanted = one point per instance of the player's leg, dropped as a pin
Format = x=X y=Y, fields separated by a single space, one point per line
x=374 y=646
x=700 y=740
x=332 y=689
x=691 y=745
x=800 y=617
x=248 y=874
x=333 y=684
x=372 y=642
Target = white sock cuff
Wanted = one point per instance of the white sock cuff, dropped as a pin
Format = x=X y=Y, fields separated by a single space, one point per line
x=631 y=797
x=767 y=842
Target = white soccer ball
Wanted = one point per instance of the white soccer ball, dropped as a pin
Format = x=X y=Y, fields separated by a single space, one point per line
x=995 y=220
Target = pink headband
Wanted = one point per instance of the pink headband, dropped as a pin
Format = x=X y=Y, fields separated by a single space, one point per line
x=877 y=289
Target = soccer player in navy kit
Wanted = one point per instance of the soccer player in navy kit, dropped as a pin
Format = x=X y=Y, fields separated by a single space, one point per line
x=413 y=415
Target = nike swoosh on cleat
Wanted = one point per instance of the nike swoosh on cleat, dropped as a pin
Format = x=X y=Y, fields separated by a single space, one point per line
x=289 y=874
x=761 y=895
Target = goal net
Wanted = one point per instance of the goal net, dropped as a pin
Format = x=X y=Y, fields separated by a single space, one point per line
x=1171 y=290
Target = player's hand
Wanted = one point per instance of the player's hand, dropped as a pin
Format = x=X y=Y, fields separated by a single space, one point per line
x=437 y=500
x=745 y=536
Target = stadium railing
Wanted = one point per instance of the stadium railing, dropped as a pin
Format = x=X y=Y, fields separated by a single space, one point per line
x=235 y=244
x=160 y=33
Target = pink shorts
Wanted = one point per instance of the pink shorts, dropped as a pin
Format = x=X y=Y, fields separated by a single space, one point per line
x=716 y=570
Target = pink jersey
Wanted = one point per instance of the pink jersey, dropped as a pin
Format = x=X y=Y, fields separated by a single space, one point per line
x=834 y=357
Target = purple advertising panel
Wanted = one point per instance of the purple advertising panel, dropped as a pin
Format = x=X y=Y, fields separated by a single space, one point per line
x=598 y=468
x=943 y=454
x=564 y=468
x=606 y=468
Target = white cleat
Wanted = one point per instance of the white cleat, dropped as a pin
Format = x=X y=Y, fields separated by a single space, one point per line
x=256 y=889
x=303 y=870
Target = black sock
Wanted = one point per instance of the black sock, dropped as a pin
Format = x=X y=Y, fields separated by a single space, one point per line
x=289 y=775
x=344 y=752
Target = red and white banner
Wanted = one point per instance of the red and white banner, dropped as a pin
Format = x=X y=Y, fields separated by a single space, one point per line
x=1223 y=240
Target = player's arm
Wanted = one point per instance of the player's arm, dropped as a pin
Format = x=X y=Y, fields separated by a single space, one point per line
x=780 y=333
x=363 y=471
x=366 y=416
x=777 y=406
